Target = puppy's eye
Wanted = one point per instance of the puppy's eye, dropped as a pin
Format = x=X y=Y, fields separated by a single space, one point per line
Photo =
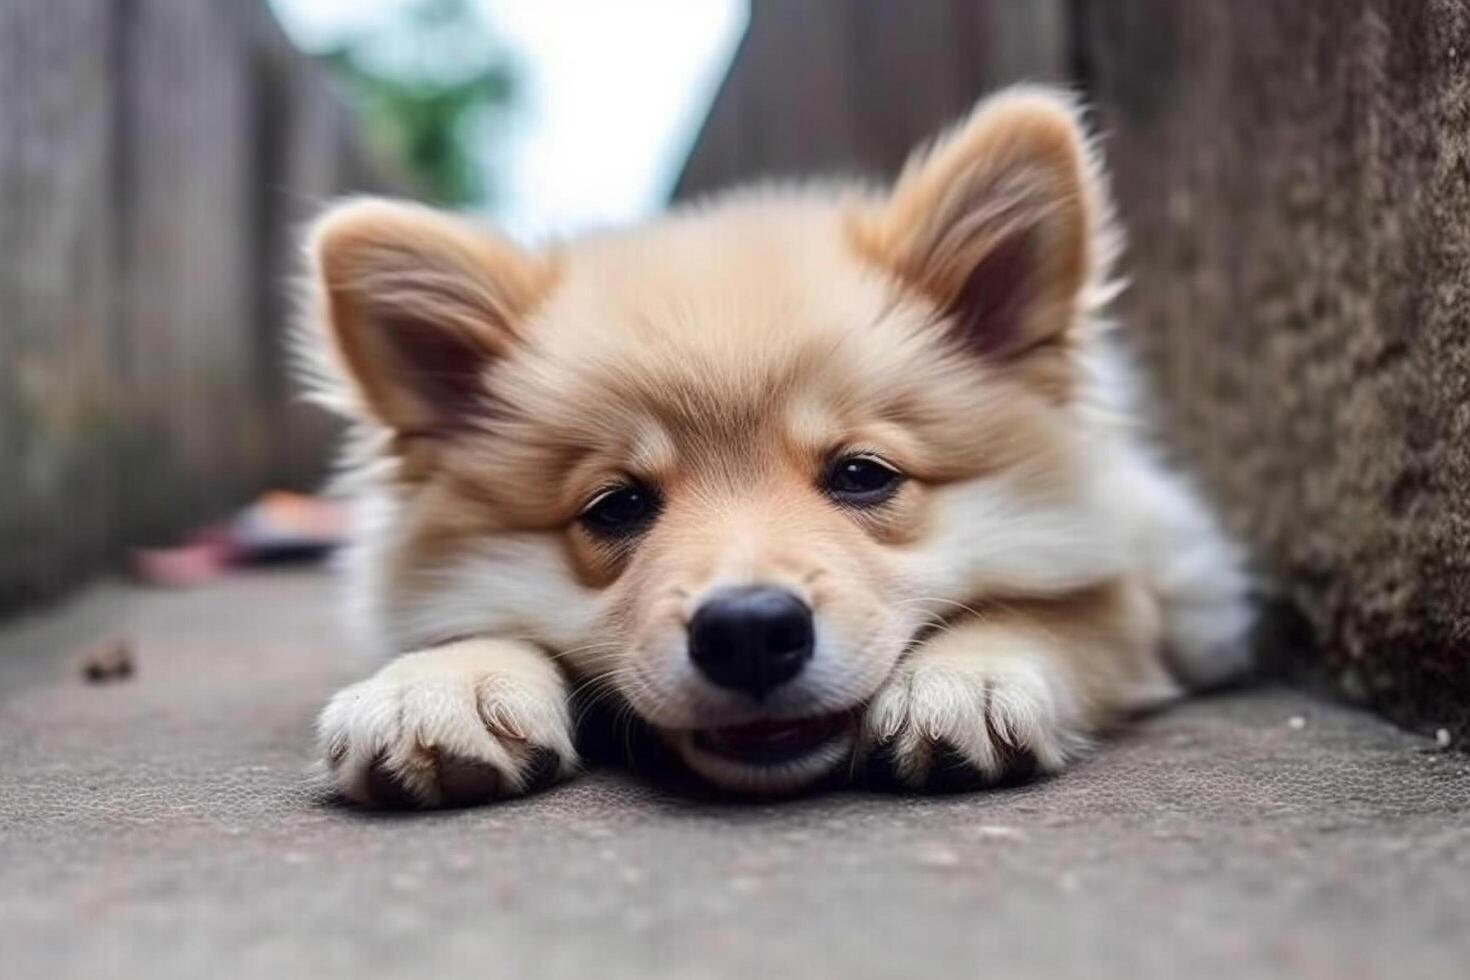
x=621 y=511
x=861 y=481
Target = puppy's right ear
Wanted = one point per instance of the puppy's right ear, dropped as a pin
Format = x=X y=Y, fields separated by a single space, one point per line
x=417 y=305
x=1002 y=224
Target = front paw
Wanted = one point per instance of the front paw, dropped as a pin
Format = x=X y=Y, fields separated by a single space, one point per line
x=966 y=722
x=448 y=727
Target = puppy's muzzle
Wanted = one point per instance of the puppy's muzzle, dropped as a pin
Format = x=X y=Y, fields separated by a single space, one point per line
x=751 y=639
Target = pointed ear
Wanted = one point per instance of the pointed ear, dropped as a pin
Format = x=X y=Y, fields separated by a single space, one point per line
x=417 y=304
x=1001 y=223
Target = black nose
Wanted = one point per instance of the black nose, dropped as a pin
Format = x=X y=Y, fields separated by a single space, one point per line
x=751 y=639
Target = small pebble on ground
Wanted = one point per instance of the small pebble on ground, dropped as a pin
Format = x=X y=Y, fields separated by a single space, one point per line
x=111 y=660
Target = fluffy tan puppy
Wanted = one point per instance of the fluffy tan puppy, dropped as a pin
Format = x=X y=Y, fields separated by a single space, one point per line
x=806 y=477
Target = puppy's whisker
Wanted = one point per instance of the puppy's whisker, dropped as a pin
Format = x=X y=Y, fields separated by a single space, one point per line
x=603 y=685
x=608 y=648
x=940 y=600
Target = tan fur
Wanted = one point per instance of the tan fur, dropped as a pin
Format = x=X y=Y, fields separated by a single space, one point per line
x=724 y=355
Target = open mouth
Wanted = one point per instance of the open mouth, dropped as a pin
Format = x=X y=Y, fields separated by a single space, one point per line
x=773 y=741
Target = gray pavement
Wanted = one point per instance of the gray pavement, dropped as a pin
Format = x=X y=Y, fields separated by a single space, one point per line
x=164 y=827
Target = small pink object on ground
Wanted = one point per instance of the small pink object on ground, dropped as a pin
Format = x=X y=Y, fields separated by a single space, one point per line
x=279 y=526
x=181 y=567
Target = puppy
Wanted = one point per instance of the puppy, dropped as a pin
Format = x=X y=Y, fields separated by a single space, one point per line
x=805 y=477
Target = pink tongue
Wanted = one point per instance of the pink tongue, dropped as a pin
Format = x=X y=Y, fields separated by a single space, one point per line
x=768 y=728
x=772 y=740
x=776 y=730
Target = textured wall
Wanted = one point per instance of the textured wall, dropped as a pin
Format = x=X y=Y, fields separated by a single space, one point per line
x=156 y=158
x=1295 y=178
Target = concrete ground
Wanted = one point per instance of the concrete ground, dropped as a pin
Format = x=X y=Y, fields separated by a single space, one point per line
x=163 y=826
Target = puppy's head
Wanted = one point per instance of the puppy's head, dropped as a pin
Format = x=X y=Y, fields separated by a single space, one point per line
x=731 y=465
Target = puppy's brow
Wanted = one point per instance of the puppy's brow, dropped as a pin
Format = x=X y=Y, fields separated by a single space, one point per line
x=811 y=424
x=652 y=451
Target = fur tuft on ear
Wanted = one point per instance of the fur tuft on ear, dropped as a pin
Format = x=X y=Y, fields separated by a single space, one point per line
x=415 y=305
x=1002 y=223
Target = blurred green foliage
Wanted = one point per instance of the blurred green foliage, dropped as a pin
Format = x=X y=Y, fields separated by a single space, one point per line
x=431 y=82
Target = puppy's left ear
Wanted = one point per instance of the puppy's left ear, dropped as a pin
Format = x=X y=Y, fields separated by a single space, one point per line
x=1002 y=224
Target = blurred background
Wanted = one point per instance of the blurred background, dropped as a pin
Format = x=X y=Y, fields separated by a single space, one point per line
x=158 y=164
x=1293 y=178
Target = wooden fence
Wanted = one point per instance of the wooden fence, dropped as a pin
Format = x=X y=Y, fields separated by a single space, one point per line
x=836 y=86
x=155 y=160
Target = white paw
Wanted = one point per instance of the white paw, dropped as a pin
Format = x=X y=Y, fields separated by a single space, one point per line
x=447 y=727
x=961 y=722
